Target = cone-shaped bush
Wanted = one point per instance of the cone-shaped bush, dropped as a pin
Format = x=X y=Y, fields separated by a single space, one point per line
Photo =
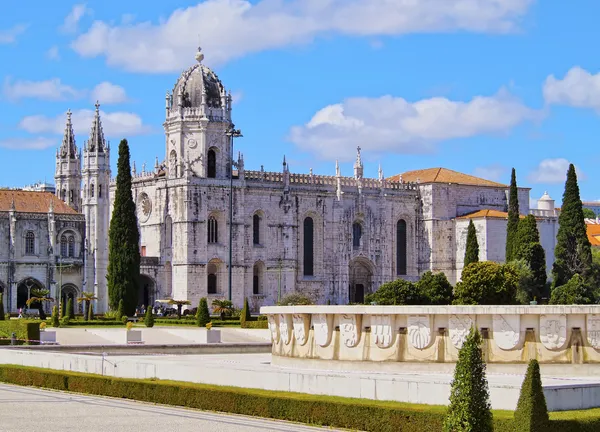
x=532 y=413
x=63 y=308
x=149 y=318
x=202 y=315
x=120 y=311
x=71 y=309
x=245 y=316
x=55 y=320
x=469 y=408
x=90 y=312
x=2 y=315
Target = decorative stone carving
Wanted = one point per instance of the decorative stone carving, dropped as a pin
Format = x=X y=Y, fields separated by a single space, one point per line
x=419 y=331
x=274 y=327
x=553 y=331
x=323 y=326
x=301 y=327
x=459 y=328
x=144 y=207
x=350 y=329
x=506 y=331
x=382 y=330
x=285 y=327
x=593 y=330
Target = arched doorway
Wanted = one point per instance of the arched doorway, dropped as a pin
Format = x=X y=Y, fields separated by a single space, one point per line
x=146 y=291
x=69 y=292
x=24 y=291
x=361 y=280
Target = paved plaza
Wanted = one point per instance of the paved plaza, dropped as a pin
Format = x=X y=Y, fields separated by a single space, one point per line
x=55 y=411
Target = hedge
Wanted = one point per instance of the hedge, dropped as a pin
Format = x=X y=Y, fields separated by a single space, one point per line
x=25 y=330
x=330 y=411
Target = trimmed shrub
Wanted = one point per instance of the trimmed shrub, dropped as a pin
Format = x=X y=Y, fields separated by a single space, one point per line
x=64 y=321
x=19 y=328
x=436 y=288
x=149 y=318
x=576 y=291
x=71 y=309
x=398 y=292
x=245 y=315
x=532 y=413
x=124 y=319
x=295 y=299
x=63 y=308
x=487 y=283
x=55 y=320
x=202 y=314
x=120 y=311
x=33 y=333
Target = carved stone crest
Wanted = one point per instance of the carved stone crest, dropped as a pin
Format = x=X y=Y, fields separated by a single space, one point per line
x=350 y=329
x=419 y=331
x=301 y=326
x=323 y=326
x=274 y=327
x=506 y=331
x=382 y=330
x=144 y=207
x=553 y=331
x=459 y=327
x=593 y=330
x=285 y=328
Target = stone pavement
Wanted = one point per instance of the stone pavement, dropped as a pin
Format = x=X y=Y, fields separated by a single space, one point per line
x=26 y=408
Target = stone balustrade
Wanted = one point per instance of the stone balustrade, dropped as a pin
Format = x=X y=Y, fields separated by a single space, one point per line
x=511 y=334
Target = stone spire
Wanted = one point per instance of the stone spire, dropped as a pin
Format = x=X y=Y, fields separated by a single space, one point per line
x=97 y=141
x=380 y=173
x=68 y=149
x=358 y=165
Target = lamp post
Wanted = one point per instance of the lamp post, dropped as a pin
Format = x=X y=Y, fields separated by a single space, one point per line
x=231 y=133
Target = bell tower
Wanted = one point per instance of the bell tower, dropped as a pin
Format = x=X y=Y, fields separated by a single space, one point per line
x=68 y=169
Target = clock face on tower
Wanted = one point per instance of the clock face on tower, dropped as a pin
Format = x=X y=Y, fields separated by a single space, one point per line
x=192 y=143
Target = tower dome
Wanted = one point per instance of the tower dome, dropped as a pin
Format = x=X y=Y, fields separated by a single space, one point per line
x=546 y=202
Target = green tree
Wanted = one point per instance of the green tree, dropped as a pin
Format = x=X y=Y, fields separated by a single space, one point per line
x=70 y=309
x=513 y=218
x=531 y=414
x=526 y=287
x=245 y=316
x=222 y=307
x=123 y=250
x=37 y=299
x=120 y=311
x=398 y=292
x=472 y=249
x=487 y=283
x=202 y=314
x=295 y=299
x=149 y=318
x=86 y=298
x=529 y=249
x=576 y=291
x=572 y=254
x=63 y=307
x=2 y=313
x=436 y=288
x=469 y=409
x=90 y=312
x=589 y=213
x=54 y=318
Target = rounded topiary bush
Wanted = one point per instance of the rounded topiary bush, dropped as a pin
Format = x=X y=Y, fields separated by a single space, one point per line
x=149 y=318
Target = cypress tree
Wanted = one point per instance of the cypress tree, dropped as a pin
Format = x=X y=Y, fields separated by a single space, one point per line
x=63 y=307
x=245 y=316
x=531 y=414
x=120 y=311
x=202 y=314
x=54 y=317
x=149 y=318
x=70 y=309
x=469 y=408
x=90 y=312
x=573 y=253
x=123 y=250
x=472 y=249
x=529 y=249
x=513 y=218
x=2 y=315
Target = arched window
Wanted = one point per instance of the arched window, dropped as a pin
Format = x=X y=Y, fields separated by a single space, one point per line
x=99 y=191
x=256 y=279
x=211 y=279
x=212 y=164
x=92 y=190
x=168 y=232
x=173 y=164
x=71 y=246
x=356 y=235
x=64 y=195
x=308 y=247
x=30 y=243
x=64 y=246
x=401 y=247
x=256 y=229
x=213 y=230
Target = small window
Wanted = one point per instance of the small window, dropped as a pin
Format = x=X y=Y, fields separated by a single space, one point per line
x=256 y=229
x=212 y=283
x=401 y=248
x=92 y=190
x=143 y=251
x=308 y=247
x=213 y=230
x=212 y=164
x=99 y=191
x=71 y=246
x=356 y=235
x=30 y=243
x=64 y=246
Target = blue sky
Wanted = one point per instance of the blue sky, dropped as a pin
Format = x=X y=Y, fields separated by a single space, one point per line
x=478 y=86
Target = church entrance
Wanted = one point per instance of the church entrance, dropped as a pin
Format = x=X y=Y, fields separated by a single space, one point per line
x=361 y=280
x=145 y=291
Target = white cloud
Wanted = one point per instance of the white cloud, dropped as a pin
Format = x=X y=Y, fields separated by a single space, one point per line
x=37 y=143
x=494 y=172
x=236 y=97
x=72 y=20
x=10 y=35
x=393 y=125
x=108 y=93
x=52 y=89
x=553 y=171
x=230 y=29
x=53 y=53
x=578 y=88
x=116 y=124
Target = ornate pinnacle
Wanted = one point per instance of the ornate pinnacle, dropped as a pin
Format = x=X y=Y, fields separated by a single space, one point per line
x=199 y=56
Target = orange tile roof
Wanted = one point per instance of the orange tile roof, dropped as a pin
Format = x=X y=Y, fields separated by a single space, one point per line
x=32 y=202
x=443 y=175
x=487 y=213
x=593 y=234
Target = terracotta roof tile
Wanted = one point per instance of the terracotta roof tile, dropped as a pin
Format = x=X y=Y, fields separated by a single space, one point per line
x=32 y=202
x=443 y=175
x=593 y=233
x=487 y=213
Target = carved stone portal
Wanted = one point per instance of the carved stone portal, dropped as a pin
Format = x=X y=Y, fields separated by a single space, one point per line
x=350 y=329
x=323 y=326
x=285 y=327
x=382 y=330
x=274 y=327
x=593 y=330
x=301 y=326
x=459 y=327
x=506 y=331
x=419 y=331
x=553 y=331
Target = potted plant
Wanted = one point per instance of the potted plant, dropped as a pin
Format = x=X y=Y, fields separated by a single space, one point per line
x=132 y=336
x=212 y=336
x=47 y=336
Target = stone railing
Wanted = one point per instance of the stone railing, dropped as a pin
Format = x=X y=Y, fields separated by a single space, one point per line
x=511 y=334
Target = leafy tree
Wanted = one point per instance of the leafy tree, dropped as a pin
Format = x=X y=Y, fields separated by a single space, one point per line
x=527 y=233
x=245 y=316
x=436 y=288
x=576 y=291
x=531 y=414
x=123 y=253
x=55 y=320
x=202 y=314
x=513 y=218
x=487 y=283
x=398 y=292
x=149 y=318
x=589 y=213
x=526 y=287
x=179 y=304
x=472 y=249
x=120 y=311
x=37 y=299
x=2 y=314
x=295 y=299
x=572 y=254
x=528 y=248
x=470 y=408
x=90 y=312
x=222 y=307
